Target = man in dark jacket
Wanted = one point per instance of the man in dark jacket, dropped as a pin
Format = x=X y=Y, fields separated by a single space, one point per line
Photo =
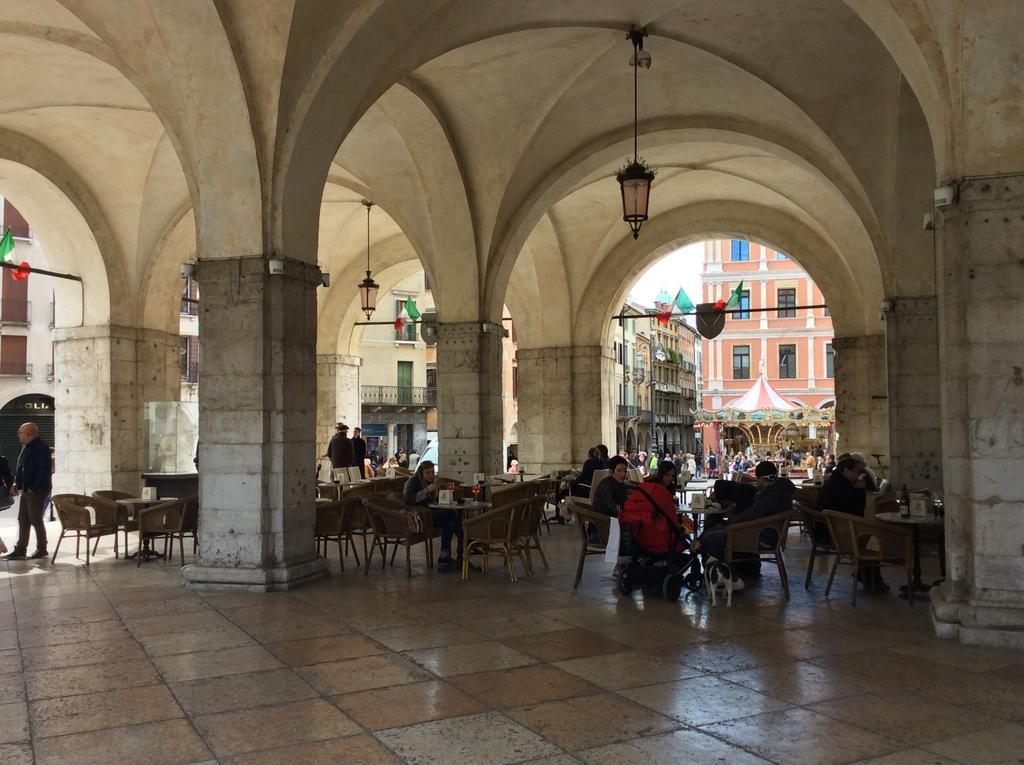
x=359 y=451
x=340 y=449
x=32 y=479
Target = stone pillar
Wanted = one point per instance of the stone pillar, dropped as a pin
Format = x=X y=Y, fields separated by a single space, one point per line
x=915 y=418
x=337 y=395
x=469 y=403
x=103 y=376
x=566 y=405
x=862 y=407
x=981 y=346
x=256 y=423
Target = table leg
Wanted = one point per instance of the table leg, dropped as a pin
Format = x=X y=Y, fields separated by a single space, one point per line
x=916 y=582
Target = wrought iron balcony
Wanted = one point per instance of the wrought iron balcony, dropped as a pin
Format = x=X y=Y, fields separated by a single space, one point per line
x=628 y=411
x=398 y=395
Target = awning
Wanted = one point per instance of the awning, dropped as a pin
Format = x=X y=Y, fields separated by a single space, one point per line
x=761 y=396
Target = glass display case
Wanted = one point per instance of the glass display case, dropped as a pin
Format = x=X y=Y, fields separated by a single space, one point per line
x=171 y=436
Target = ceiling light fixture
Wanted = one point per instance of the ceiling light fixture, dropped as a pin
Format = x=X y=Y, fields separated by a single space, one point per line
x=635 y=178
x=368 y=288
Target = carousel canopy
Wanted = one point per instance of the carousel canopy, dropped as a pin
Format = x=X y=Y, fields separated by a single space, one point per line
x=761 y=396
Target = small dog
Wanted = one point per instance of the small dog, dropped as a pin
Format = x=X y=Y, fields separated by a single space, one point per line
x=718 y=574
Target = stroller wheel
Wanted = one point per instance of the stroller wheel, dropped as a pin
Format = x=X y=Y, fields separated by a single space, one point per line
x=672 y=586
x=626 y=585
x=694 y=582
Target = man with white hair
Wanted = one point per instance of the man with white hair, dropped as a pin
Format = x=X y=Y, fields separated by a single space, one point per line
x=869 y=477
x=32 y=479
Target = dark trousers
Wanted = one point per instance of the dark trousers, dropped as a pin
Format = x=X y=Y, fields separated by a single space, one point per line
x=450 y=522
x=30 y=515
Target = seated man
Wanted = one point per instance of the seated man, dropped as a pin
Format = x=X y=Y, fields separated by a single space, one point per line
x=421 y=491
x=611 y=494
x=774 y=495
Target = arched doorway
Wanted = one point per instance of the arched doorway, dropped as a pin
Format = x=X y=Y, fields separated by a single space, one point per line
x=31 y=407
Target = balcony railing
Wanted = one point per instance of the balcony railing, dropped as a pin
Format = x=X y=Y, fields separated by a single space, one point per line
x=15 y=311
x=189 y=307
x=190 y=373
x=398 y=395
x=16 y=369
x=628 y=411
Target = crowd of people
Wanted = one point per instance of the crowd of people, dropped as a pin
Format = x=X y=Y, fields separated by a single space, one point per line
x=344 y=452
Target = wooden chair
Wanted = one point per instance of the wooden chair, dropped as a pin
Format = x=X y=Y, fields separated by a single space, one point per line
x=188 y=526
x=73 y=511
x=534 y=517
x=109 y=497
x=399 y=528
x=327 y=528
x=859 y=540
x=601 y=522
x=353 y=521
x=746 y=539
x=160 y=521
x=814 y=517
x=496 y=532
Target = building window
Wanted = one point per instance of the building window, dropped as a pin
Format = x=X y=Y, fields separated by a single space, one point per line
x=515 y=382
x=431 y=377
x=787 y=302
x=426 y=282
x=780 y=255
x=740 y=250
x=408 y=331
x=830 y=361
x=787 y=362
x=744 y=307
x=190 y=359
x=741 y=362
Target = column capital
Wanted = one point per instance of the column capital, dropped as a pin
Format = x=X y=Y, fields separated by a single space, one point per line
x=253 y=266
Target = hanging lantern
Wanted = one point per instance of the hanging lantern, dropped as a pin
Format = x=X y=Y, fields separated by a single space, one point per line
x=636 y=177
x=368 y=288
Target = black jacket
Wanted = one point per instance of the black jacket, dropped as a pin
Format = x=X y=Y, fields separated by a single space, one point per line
x=34 y=467
x=340 y=451
x=359 y=450
x=842 y=496
x=609 y=496
x=416 y=493
x=777 y=498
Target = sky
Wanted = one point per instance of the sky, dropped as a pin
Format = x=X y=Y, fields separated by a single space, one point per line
x=680 y=268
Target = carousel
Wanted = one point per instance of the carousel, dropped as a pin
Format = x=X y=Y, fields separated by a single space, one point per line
x=762 y=419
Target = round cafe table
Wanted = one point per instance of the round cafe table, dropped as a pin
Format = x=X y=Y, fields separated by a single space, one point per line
x=132 y=507
x=916 y=522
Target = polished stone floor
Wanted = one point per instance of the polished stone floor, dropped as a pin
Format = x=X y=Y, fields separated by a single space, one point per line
x=119 y=664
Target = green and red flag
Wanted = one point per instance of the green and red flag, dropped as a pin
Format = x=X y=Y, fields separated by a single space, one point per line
x=663 y=317
x=411 y=309
x=7 y=246
x=732 y=302
x=683 y=304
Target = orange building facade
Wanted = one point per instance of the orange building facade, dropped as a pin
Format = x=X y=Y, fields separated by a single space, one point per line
x=790 y=346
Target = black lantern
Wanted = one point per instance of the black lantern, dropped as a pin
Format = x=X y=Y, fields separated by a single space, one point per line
x=368 y=288
x=636 y=177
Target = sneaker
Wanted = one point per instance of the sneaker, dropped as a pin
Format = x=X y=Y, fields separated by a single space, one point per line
x=15 y=555
x=39 y=554
x=737 y=584
x=444 y=564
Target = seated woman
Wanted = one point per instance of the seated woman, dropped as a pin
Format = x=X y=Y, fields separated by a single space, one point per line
x=650 y=512
x=581 y=486
x=421 y=491
x=611 y=494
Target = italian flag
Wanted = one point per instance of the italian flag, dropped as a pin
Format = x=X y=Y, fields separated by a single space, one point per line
x=732 y=302
x=409 y=313
x=7 y=247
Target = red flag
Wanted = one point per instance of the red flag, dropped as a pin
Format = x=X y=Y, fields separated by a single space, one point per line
x=663 y=317
x=399 y=323
x=21 y=272
x=719 y=305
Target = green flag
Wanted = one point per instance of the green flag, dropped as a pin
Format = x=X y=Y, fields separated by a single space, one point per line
x=7 y=247
x=411 y=309
x=683 y=303
x=734 y=298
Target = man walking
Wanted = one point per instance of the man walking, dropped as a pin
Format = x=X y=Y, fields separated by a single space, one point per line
x=359 y=451
x=32 y=479
x=340 y=449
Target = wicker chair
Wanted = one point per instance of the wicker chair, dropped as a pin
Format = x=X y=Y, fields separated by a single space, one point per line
x=160 y=521
x=398 y=527
x=534 y=517
x=859 y=540
x=73 y=511
x=813 y=517
x=327 y=528
x=496 y=532
x=601 y=522
x=188 y=526
x=745 y=539
x=109 y=498
x=353 y=520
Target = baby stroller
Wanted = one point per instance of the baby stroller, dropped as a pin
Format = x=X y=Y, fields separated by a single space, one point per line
x=669 y=564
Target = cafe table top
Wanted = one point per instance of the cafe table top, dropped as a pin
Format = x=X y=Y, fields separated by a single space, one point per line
x=461 y=507
x=914 y=520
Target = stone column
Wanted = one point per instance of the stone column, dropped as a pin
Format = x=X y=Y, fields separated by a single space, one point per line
x=566 y=405
x=337 y=395
x=862 y=407
x=256 y=423
x=981 y=346
x=915 y=418
x=469 y=403
x=103 y=376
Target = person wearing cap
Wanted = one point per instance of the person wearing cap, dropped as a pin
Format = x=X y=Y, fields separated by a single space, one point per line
x=340 y=450
x=774 y=495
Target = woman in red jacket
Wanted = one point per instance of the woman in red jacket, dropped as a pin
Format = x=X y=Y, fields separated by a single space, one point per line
x=650 y=512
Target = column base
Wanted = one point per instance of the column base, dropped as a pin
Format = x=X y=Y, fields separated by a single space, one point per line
x=956 y=618
x=273 y=579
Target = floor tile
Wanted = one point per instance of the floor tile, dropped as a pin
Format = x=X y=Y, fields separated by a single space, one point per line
x=225 y=661
x=94 y=711
x=291 y=628
x=616 y=671
x=8 y=640
x=223 y=694
x=66 y=616
x=590 y=721
x=909 y=757
x=13 y=723
x=297 y=653
x=185 y=604
x=250 y=730
x=909 y=718
x=193 y=641
x=703 y=700
x=12 y=688
x=10 y=661
x=670 y=749
x=81 y=654
x=564 y=644
x=487 y=738
x=172 y=742
x=72 y=681
x=799 y=682
x=1001 y=745
x=362 y=674
x=717 y=656
x=801 y=737
x=513 y=625
x=407 y=704
x=447 y=661
x=173 y=624
x=892 y=670
x=16 y=754
x=996 y=694
x=364 y=750
x=72 y=634
x=425 y=636
x=523 y=685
